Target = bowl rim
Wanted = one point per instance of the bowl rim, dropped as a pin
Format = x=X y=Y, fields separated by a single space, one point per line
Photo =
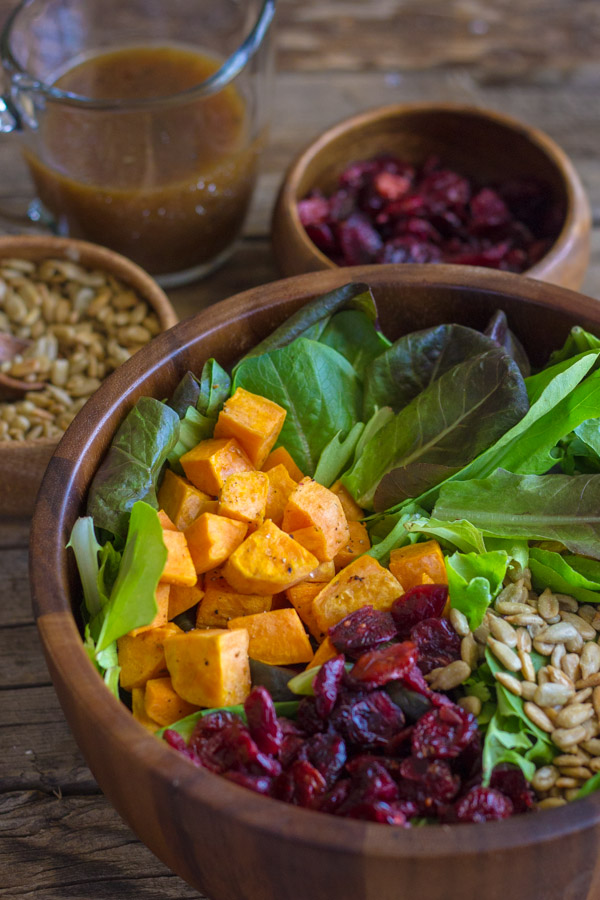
x=57 y=626
x=578 y=205
x=88 y=255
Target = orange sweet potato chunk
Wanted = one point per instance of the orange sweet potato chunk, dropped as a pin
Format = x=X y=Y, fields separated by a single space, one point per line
x=182 y=501
x=254 y=421
x=301 y=597
x=211 y=539
x=409 y=564
x=142 y=655
x=363 y=582
x=218 y=606
x=323 y=573
x=358 y=544
x=315 y=517
x=267 y=562
x=244 y=497
x=163 y=704
x=210 y=667
x=280 y=456
x=324 y=651
x=162 y=594
x=352 y=510
x=138 y=710
x=281 y=485
x=210 y=462
x=179 y=567
x=182 y=598
x=277 y=637
x=165 y=522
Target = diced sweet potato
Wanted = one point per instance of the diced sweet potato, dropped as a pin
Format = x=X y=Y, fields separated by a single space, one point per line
x=358 y=544
x=163 y=704
x=280 y=456
x=179 y=567
x=182 y=598
x=351 y=508
x=363 y=582
x=267 y=562
x=409 y=564
x=211 y=539
x=210 y=462
x=281 y=485
x=244 y=497
x=323 y=573
x=301 y=597
x=315 y=517
x=218 y=606
x=165 y=522
x=280 y=601
x=138 y=710
x=142 y=655
x=277 y=637
x=324 y=651
x=163 y=592
x=210 y=667
x=254 y=421
x=182 y=501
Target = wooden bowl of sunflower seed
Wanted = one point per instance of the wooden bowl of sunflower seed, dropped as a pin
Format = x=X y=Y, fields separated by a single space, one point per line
x=78 y=311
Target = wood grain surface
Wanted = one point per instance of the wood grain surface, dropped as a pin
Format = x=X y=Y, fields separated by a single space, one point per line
x=537 y=61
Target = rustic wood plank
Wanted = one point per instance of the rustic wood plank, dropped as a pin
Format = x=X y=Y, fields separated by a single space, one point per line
x=22 y=663
x=14 y=533
x=74 y=847
x=14 y=588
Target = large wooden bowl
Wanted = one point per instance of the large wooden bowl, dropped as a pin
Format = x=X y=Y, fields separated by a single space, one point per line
x=22 y=463
x=484 y=145
x=225 y=840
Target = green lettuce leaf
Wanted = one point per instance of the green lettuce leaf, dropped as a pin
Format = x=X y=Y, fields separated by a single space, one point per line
x=336 y=455
x=551 y=570
x=353 y=334
x=474 y=581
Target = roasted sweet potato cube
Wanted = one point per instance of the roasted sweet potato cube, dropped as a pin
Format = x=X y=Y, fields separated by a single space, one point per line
x=163 y=704
x=165 y=522
x=351 y=508
x=323 y=573
x=358 y=544
x=210 y=667
x=301 y=597
x=254 y=421
x=212 y=539
x=210 y=462
x=244 y=497
x=142 y=655
x=179 y=567
x=324 y=651
x=163 y=592
x=281 y=485
x=281 y=456
x=182 y=598
x=277 y=637
x=218 y=606
x=267 y=562
x=138 y=710
x=182 y=501
x=363 y=582
x=315 y=517
x=409 y=564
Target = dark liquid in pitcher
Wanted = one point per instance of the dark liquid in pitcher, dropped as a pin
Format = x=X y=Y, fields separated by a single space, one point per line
x=168 y=184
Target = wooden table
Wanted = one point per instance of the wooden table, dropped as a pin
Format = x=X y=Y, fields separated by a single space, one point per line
x=537 y=61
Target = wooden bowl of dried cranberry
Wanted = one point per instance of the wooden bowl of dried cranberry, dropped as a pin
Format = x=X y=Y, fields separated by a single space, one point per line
x=224 y=839
x=434 y=184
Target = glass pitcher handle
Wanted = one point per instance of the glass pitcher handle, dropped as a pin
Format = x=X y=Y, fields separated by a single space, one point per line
x=18 y=213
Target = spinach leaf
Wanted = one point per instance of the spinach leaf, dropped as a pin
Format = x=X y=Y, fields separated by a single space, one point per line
x=446 y=425
x=193 y=428
x=353 y=334
x=185 y=394
x=199 y=418
x=311 y=320
x=132 y=466
x=578 y=341
x=215 y=386
x=390 y=532
x=132 y=601
x=589 y=786
x=474 y=581
x=581 y=449
x=336 y=455
x=551 y=570
x=529 y=507
x=499 y=331
x=319 y=389
x=416 y=360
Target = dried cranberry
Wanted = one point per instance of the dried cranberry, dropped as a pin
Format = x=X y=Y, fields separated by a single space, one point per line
x=391 y=186
x=510 y=781
x=290 y=748
x=482 y=804
x=409 y=249
x=443 y=733
x=370 y=780
x=313 y=210
x=379 y=811
x=322 y=236
x=261 y=784
x=429 y=783
x=425 y=601
x=307 y=717
x=327 y=684
x=359 y=241
x=302 y=785
x=369 y=720
x=175 y=740
x=262 y=720
x=378 y=667
x=437 y=642
x=362 y=630
x=488 y=210
x=331 y=802
x=468 y=764
x=327 y=753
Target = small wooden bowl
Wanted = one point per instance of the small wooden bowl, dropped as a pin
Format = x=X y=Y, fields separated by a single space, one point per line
x=224 y=839
x=22 y=463
x=484 y=145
